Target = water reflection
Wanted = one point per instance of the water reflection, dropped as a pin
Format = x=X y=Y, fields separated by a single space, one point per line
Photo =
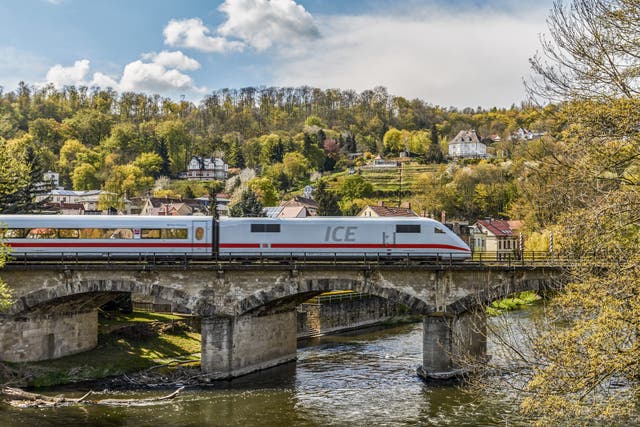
x=355 y=379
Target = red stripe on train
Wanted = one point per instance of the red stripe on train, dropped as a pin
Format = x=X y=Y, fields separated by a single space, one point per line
x=366 y=246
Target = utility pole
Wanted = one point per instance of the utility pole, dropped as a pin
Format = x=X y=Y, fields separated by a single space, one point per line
x=400 y=190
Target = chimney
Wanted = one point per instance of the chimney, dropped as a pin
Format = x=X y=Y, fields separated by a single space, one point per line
x=380 y=203
x=443 y=216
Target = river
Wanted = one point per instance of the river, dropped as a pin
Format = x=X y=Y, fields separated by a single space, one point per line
x=358 y=379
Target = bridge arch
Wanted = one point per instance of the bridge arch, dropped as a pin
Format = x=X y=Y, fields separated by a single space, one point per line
x=89 y=294
x=282 y=296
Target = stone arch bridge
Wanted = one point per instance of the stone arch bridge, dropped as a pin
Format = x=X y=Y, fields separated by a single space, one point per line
x=248 y=311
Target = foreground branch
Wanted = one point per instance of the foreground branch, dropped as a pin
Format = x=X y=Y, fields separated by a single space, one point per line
x=23 y=399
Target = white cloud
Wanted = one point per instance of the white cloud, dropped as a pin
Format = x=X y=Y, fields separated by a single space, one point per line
x=154 y=78
x=264 y=23
x=176 y=59
x=192 y=34
x=67 y=76
x=259 y=24
x=449 y=58
x=104 y=81
x=155 y=73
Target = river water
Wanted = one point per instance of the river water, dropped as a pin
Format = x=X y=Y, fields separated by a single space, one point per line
x=366 y=378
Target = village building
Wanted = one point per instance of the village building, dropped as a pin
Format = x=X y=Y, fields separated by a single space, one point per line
x=87 y=198
x=467 y=145
x=286 y=212
x=380 y=210
x=206 y=168
x=496 y=236
x=306 y=202
x=523 y=134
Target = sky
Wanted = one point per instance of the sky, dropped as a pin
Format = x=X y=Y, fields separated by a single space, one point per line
x=452 y=53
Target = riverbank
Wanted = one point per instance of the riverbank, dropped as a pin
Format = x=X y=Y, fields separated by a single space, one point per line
x=126 y=343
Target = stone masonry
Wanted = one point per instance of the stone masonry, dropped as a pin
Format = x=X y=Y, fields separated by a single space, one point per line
x=248 y=318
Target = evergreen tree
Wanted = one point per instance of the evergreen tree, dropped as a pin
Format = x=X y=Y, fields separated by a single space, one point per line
x=434 y=153
x=327 y=200
x=163 y=152
x=248 y=206
x=23 y=199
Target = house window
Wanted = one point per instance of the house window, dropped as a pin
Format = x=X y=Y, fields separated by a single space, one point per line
x=407 y=228
x=265 y=228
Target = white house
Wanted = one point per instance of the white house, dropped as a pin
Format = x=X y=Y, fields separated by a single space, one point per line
x=204 y=168
x=88 y=198
x=467 y=145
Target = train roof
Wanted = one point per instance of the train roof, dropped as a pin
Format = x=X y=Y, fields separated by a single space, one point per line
x=97 y=219
x=392 y=220
x=141 y=219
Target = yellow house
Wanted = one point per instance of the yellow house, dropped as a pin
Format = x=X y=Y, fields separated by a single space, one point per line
x=496 y=236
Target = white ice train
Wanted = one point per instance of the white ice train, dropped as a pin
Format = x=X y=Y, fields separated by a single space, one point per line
x=55 y=236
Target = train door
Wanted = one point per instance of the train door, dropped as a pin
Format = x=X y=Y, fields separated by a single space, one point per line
x=201 y=243
x=388 y=239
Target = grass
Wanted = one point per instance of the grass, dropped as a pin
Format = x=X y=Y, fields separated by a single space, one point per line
x=508 y=304
x=115 y=354
x=386 y=182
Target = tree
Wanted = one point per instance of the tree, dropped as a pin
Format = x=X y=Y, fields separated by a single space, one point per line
x=6 y=296
x=327 y=200
x=296 y=166
x=14 y=176
x=27 y=186
x=395 y=140
x=163 y=153
x=150 y=163
x=434 y=153
x=127 y=180
x=593 y=52
x=591 y=340
x=355 y=187
x=84 y=177
x=248 y=206
x=264 y=190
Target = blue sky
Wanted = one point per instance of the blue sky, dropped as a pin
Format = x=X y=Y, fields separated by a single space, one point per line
x=450 y=53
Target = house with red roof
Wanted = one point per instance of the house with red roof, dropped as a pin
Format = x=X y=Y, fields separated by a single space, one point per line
x=380 y=210
x=497 y=236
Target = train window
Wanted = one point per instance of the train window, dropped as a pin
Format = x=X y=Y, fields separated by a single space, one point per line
x=42 y=233
x=68 y=233
x=438 y=230
x=407 y=228
x=13 y=233
x=98 y=233
x=174 y=233
x=150 y=233
x=122 y=233
x=265 y=228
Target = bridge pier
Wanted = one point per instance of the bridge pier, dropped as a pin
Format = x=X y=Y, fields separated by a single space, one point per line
x=235 y=346
x=450 y=343
x=36 y=337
